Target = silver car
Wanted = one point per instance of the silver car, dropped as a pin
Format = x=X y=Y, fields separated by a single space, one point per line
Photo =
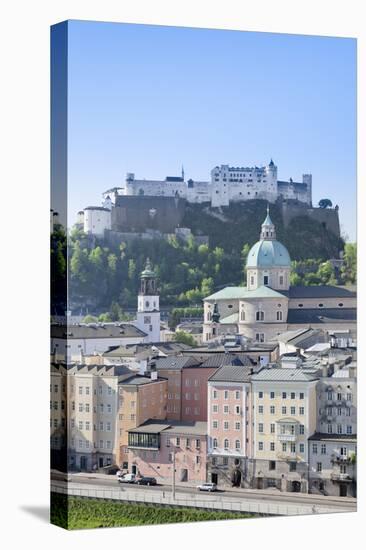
x=209 y=487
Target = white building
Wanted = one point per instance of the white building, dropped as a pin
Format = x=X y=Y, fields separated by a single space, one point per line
x=69 y=341
x=96 y=220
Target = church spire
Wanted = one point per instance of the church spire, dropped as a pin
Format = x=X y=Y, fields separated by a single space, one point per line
x=268 y=232
x=182 y=172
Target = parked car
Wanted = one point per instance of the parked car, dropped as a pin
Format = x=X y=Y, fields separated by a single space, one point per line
x=119 y=473
x=146 y=481
x=127 y=478
x=209 y=487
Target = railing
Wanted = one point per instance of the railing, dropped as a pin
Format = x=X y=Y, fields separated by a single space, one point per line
x=191 y=500
x=340 y=477
x=286 y=437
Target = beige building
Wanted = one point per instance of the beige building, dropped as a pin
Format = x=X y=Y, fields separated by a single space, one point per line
x=284 y=417
x=140 y=398
x=84 y=404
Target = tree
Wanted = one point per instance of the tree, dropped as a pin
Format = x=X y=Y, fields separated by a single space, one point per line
x=105 y=318
x=295 y=279
x=326 y=273
x=207 y=286
x=325 y=203
x=90 y=319
x=349 y=268
x=185 y=338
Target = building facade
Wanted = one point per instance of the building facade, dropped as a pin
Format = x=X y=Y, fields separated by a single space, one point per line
x=163 y=449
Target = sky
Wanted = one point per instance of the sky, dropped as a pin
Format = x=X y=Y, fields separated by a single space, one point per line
x=148 y=99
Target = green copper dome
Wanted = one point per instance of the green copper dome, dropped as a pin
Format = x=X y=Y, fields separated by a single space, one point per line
x=148 y=273
x=269 y=253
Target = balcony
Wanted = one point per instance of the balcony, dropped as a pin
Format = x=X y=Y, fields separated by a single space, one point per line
x=287 y=437
x=340 y=459
x=341 y=477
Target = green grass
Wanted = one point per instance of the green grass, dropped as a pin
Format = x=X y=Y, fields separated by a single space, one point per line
x=79 y=513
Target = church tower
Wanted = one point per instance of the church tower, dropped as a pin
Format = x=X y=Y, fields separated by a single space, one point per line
x=148 y=310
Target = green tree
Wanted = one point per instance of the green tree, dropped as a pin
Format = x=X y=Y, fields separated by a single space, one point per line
x=207 y=286
x=295 y=279
x=105 y=318
x=90 y=319
x=185 y=338
x=349 y=268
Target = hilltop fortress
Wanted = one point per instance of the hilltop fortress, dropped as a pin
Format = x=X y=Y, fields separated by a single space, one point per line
x=153 y=208
x=227 y=184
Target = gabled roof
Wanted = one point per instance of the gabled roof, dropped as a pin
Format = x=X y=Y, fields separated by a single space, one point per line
x=220 y=359
x=240 y=292
x=232 y=373
x=96 y=330
x=174 y=362
x=283 y=375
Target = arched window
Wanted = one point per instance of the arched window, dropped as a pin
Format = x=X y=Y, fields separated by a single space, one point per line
x=226 y=444
x=237 y=444
x=242 y=315
x=214 y=443
x=260 y=316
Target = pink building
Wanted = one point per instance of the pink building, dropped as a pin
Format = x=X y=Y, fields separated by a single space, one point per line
x=154 y=446
x=194 y=390
x=229 y=424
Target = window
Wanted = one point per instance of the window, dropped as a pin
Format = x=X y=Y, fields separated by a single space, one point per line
x=198 y=444
x=284 y=395
x=302 y=448
x=292 y=467
x=272 y=428
x=101 y=426
x=279 y=315
x=237 y=425
x=198 y=459
x=242 y=315
x=101 y=444
x=80 y=425
x=349 y=396
x=330 y=428
x=301 y=410
x=260 y=428
x=260 y=409
x=214 y=394
x=323 y=449
x=339 y=397
x=80 y=443
x=293 y=410
x=87 y=426
x=108 y=426
x=272 y=465
x=259 y=316
x=349 y=430
x=284 y=409
x=272 y=446
x=226 y=444
x=226 y=394
x=214 y=461
x=237 y=395
x=301 y=429
x=101 y=407
x=284 y=447
x=272 y=409
x=330 y=395
x=293 y=395
x=215 y=408
x=168 y=442
x=87 y=407
x=226 y=425
x=272 y=395
x=214 y=443
x=188 y=443
x=80 y=407
x=339 y=428
x=80 y=390
x=301 y=395
x=225 y=461
x=260 y=446
x=281 y=280
x=320 y=305
x=237 y=409
x=293 y=447
x=265 y=280
x=100 y=390
x=260 y=395
x=319 y=467
x=315 y=448
x=215 y=424
x=226 y=409
x=237 y=444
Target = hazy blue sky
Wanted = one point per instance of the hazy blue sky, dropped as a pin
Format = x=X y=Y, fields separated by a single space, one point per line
x=147 y=99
